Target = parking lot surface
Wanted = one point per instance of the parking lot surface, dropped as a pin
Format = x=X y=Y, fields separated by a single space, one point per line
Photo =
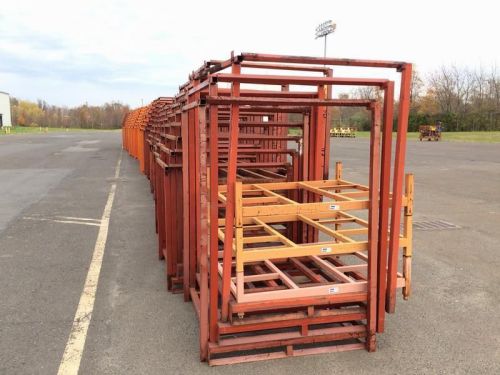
x=53 y=190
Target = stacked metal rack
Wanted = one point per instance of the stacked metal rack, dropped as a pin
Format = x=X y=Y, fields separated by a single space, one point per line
x=133 y=128
x=278 y=259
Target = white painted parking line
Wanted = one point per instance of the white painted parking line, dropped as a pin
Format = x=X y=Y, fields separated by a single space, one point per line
x=94 y=222
x=70 y=363
x=79 y=218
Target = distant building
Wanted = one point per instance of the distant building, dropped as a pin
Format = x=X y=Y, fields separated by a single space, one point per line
x=5 y=119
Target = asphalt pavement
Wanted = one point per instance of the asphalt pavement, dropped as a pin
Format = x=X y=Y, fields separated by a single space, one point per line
x=53 y=189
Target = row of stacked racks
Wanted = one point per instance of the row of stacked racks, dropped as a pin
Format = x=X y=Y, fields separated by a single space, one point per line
x=278 y=258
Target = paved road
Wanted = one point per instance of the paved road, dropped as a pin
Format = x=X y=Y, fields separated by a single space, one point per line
x=53 y=189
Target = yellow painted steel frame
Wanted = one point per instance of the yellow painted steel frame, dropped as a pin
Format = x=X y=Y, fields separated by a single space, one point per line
x=259 y=205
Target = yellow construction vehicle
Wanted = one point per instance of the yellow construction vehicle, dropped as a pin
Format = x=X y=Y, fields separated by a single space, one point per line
x=430 y=132
x=343 y=132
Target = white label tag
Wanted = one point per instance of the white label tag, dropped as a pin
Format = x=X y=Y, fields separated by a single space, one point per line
x=333 y=289
x=334 y=207
x=326 y=250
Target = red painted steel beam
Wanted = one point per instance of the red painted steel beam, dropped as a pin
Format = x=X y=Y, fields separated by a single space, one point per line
x=230 y=209
x=397 y=186
x=211 y=67
x=303 y=68
x=329 y=91
x=203 y=85
x=214 y=216
x=271 y=94
x=296 y=80
x=372 y=226
x=260 y=151
x=264 y=124
x=226 y=135
x=289 y=101
x=255 y=165
x=385 y=180
x=248 y=56
x=246 y=111
x=203 y=223
x=186 y=200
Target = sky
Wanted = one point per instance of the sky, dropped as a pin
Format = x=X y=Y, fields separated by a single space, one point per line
x=73 y=52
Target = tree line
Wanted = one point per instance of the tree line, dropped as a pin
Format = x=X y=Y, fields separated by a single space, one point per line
x=462 y=99
x=106 y=116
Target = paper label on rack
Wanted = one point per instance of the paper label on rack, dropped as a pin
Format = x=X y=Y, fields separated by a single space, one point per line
x=326 y=250
x=333 y=289
x=334 y=207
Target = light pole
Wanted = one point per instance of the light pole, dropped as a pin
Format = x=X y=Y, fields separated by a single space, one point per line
x=323 y=30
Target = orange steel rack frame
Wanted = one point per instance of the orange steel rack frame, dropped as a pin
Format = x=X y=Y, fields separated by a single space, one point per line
x=242 y=206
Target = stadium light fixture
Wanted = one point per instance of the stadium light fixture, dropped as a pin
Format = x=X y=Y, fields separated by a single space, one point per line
x=324 y=29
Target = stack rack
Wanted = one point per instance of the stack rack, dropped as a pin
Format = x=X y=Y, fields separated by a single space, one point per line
x=277 y=258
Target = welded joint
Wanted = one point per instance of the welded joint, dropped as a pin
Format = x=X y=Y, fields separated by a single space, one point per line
x=402 y=67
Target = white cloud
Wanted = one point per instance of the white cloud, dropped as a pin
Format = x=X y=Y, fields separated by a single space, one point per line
x=76 y=51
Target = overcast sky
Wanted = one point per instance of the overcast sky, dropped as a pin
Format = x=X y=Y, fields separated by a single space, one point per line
x=71 y=52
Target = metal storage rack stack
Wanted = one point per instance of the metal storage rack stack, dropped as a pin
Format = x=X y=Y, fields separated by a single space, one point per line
x=277 y=259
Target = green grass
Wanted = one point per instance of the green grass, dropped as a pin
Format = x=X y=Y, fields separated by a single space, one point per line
x=486 y=137
x=294 y=131
x=36 y=130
